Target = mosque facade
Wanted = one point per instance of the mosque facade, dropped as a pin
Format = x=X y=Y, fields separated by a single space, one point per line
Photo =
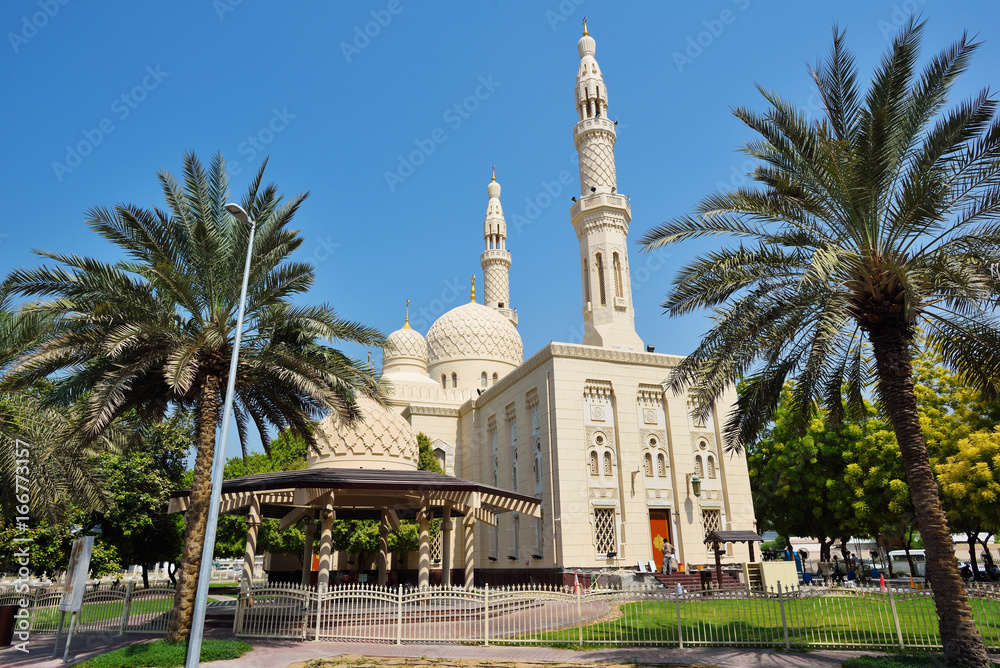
x=589 y=429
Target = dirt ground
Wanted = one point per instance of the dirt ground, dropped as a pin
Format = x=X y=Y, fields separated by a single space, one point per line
x=357 y=661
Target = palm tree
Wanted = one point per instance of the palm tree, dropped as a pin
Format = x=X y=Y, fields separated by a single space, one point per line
x=39 y=454
x=154 y=331
x=877 y=218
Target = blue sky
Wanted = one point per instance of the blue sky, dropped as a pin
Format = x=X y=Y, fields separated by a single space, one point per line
x=99 y=96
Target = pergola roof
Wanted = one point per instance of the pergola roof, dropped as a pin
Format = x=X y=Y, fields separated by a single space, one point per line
x=732 y=537
x=363 y=493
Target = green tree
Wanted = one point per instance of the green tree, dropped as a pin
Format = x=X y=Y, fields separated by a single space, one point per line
x=139 y=482
x=155 y=330
x=970 y=483
x=427 y=461
x=863 y=224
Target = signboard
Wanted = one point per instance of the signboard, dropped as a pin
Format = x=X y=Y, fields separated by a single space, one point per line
x=76 y=576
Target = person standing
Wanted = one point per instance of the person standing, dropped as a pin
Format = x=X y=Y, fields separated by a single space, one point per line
x=668 y=555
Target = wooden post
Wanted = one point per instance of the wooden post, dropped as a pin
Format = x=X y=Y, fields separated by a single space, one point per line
x=446 y=526
x=469 y=557
x=307 y=552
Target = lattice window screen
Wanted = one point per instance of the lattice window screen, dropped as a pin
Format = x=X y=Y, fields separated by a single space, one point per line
x=647 y=465
x=712 y=519
x=600 y=276
x=607 y=463
x=593 y=463
x=604 y=530
x=436 y=546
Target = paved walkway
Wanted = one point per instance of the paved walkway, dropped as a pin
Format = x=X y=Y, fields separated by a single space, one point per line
x=279 y=654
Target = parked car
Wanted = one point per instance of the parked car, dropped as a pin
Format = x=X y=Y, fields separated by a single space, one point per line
x=901 y=565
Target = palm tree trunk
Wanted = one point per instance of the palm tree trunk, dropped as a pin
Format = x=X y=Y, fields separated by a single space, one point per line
x=963 y=645
x=196 y=517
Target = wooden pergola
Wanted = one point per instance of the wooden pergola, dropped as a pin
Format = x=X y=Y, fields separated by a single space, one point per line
x=321 y=495
x=717 y=538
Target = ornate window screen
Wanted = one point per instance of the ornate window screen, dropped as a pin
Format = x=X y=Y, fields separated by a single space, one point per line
x=604 y=530
x=436 y=546
x=712 y=519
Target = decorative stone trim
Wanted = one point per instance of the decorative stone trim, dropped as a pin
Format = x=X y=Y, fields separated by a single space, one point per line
x=510 y=413
x=531 y=399
x=597 y=390
x=440 y=411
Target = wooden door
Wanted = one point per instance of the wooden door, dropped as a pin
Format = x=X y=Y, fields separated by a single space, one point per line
x=659 y=531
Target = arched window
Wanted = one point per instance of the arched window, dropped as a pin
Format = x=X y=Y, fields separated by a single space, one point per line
x=600 y=277
x=536 y=467
x=482 y=379
x=607 y=463
x=593 y=463
x=619 y=289
x=698 y=467
x=661 y=465
x=454 y=379
x=444 y=382
x=495 y=378
x=647 y=465
x=711 y=466
x=586 y=281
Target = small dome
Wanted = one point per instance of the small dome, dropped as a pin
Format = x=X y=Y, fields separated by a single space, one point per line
x=474 y=331
x=586 y=46
x=493 y=190
x=405 y=342
x=380 y=439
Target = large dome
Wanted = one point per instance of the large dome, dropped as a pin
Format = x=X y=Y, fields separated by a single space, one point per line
x=380 y=439
x=474 y=332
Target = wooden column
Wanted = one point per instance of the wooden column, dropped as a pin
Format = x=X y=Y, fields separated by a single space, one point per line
x=424 y=551
x=446 y=526
x=326 y=545
x=469 y=556
x=383 y=550
x=250 y=553
x=307 y=551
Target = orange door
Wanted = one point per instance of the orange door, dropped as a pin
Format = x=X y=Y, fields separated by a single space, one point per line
x=659 y=531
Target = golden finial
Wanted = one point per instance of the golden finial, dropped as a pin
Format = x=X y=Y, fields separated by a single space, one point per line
x=585 y=33
x=406 y=325
x=473 y=287
x=494 y=172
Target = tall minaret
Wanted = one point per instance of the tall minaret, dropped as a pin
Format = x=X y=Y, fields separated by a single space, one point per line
x=496 y=258
x=602 y=215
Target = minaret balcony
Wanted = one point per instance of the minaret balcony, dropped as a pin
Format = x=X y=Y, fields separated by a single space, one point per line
x=495 y=254
x=591 y=124
x=598 y=200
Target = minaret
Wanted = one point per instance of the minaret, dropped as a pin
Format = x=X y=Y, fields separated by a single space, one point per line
x=496 y=258
x=602 y=215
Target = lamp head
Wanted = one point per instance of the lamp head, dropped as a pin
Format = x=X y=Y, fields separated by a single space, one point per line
x=696 y=484
x=238 y=212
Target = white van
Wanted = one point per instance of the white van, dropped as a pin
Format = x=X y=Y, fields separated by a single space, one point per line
x=901 y=566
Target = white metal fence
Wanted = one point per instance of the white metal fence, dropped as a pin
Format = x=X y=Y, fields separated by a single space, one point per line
x=113 y=611
x=832 y=617
x=806 y=617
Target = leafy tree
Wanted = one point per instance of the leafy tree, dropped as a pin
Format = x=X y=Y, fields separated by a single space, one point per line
x=427 y=461
x=155 y=330
x=139 y=482
x=288 y=452
x=878 y=218
x=970 y=482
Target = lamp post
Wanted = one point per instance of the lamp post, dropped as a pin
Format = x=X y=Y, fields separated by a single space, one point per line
x=218 y=463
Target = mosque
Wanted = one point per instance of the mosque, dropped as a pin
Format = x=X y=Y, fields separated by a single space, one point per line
x=616 y=461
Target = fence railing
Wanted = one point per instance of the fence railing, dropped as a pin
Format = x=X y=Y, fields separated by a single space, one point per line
x=113 y=611
x=801 y=617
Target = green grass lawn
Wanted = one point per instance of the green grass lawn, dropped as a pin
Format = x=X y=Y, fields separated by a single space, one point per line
x=925 y=661
x=821 y=621
x=161 y=654
x=95 y=612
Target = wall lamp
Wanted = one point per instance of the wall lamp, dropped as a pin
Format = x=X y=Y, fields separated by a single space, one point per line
x=695 y=484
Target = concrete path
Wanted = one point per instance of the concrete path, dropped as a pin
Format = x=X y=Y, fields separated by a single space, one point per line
x=279 y=654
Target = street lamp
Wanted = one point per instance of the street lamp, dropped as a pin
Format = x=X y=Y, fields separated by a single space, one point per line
x=695 y=483
x=219 y=462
